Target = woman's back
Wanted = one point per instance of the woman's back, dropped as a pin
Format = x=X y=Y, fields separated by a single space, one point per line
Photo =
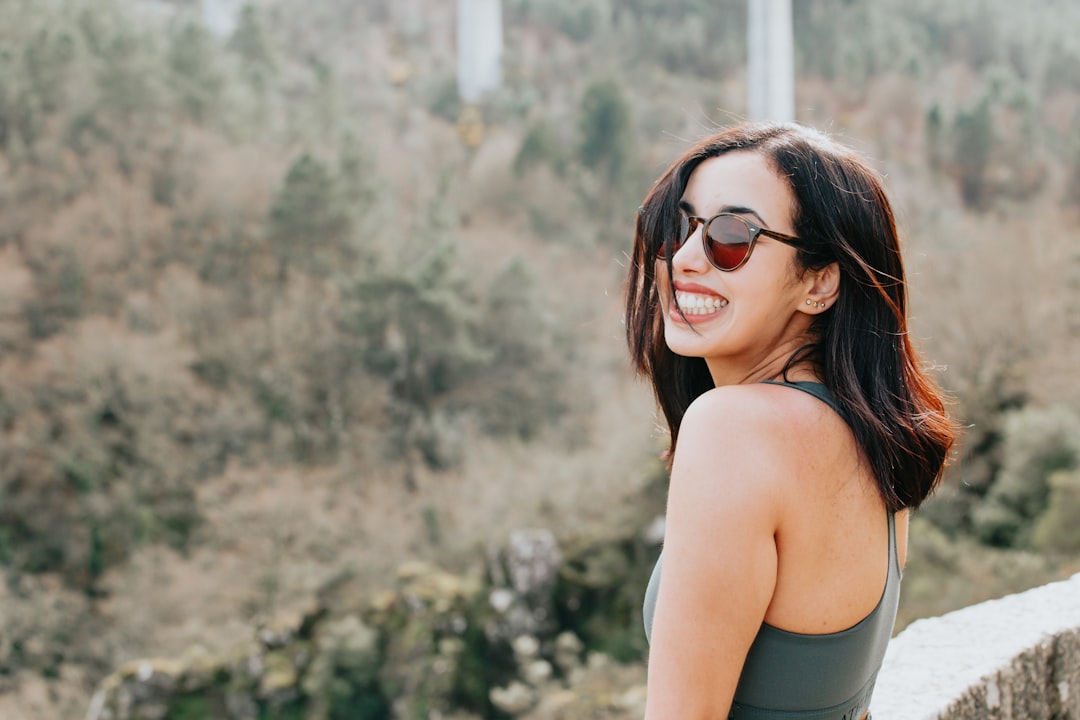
x=838 y=575
x=832 y=539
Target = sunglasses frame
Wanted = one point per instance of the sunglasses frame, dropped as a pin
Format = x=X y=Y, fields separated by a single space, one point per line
x=753 y=229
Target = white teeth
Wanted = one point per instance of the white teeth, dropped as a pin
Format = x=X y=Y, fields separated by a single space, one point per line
x=693 y=304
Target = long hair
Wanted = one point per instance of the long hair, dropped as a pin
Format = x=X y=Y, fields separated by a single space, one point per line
x=860 y=345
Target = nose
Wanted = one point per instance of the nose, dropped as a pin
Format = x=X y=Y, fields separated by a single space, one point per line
x=690 y=258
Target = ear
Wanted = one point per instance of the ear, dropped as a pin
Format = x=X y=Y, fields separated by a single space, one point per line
x=822 y=287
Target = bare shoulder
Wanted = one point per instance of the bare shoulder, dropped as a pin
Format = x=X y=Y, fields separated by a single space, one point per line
x=736 y=441
x=761 y=433
x=762 y=416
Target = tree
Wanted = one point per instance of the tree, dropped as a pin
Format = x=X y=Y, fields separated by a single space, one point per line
x=125 y=74
x=523 y=382
x=309 y=223
x=1058 y=529
x=251 y=41
x=606 y=133
x=1038 y=443
x=414 y=323
x=48 y=62
x=973 y=140
x=195 y=77
x=540 y=146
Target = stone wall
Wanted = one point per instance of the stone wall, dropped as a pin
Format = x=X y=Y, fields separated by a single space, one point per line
x=1015 y=658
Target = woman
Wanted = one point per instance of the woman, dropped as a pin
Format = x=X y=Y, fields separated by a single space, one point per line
x=766 y=304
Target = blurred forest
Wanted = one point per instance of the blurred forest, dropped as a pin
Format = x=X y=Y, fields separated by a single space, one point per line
x=279 y=310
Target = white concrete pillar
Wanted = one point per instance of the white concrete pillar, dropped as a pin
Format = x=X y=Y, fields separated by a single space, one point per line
x=770 y=69
x=479 y=47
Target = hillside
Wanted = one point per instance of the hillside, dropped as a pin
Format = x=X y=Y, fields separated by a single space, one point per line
x=280 y=314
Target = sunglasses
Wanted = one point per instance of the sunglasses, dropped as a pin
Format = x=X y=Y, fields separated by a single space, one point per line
x=728 y=238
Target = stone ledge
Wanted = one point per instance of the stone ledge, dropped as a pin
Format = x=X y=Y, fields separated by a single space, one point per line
x=1014 y=658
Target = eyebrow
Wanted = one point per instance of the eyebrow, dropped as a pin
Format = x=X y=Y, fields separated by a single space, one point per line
x=733 y=209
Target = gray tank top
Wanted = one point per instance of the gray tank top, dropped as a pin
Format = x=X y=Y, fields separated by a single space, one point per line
x=792 y=676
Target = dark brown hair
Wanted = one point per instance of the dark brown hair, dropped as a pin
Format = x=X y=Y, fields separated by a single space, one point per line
x=860 y=345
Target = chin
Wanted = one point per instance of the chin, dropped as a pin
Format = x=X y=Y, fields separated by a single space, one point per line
x=696 y=346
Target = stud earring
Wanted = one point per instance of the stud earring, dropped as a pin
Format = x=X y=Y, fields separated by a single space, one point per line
x=809 y=301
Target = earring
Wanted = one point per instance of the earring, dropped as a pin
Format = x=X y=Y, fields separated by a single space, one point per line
x=809 y=301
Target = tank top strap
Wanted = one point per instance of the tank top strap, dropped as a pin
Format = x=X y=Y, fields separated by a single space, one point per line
x=816 y=389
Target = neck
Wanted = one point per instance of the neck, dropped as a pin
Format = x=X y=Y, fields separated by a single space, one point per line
x=770 y=367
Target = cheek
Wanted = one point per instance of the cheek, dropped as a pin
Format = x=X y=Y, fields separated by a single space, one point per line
x=775 y=278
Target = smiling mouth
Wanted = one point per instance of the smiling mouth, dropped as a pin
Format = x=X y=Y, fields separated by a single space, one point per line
x=694 y=304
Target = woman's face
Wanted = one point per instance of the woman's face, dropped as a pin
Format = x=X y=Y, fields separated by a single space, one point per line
x=741 y=321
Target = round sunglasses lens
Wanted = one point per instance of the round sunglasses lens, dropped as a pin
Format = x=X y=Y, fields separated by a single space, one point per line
x=680 y=232
x=684 y=229
x=729 y=242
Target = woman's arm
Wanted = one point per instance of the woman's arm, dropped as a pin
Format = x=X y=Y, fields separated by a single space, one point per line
x=720 y=556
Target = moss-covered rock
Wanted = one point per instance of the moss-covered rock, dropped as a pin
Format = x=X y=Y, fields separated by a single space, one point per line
x=437 y=644
x=343 y=673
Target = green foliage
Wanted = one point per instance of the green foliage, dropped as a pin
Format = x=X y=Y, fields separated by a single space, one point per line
x=578 y=19
x=48 y=61
x=540 y=146
x=606 y=131
x=1037 y=444
x=973 y=137
x=417 y=330
x=990 y=394
x=63 y=283
x=1058 y=528
x=444 y=354
x=525 y=383
x=443 y=98
x=196 y=76
x=191 y=707
x=851 y=42
x=6 y=548
x=125 y=64
x=935 y=142
x=294 y=710
x=37 y=67
x=343 y=679
x=419 y=323
x=481 y=664
x=356 y=179
x=102 y=484
x=599 y=595
x=251 y=41
x=85 y=131
x=309 y=223
x=607 y=148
